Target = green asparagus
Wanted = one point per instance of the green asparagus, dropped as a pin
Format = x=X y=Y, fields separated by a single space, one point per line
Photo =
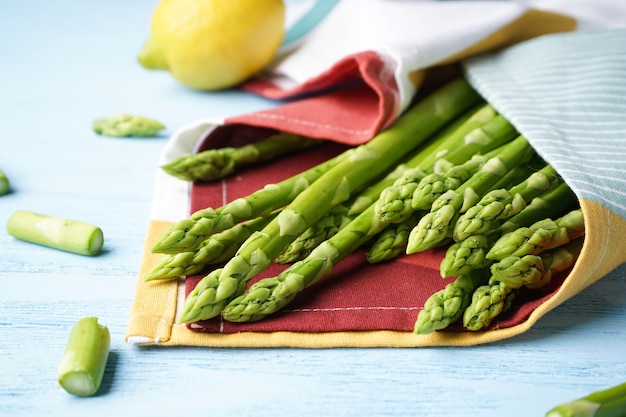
x=214 y=164
x=438 y=224
x=83 y=363
x=535 y=271
x=54 y=232
x=269 y=295
x=391 y=242
x=500 y=204
x=127 y=125
x=367 y=163
x=488 y=301
x=188 y=233
x=215 y=249
x=471 y=253
x=542 y=235
x=609 y=402
x=5 y=185
x=447 y=306
x=481 y=133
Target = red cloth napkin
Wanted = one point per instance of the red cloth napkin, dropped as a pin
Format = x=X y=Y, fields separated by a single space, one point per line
x=357 y=295
x=360 y=98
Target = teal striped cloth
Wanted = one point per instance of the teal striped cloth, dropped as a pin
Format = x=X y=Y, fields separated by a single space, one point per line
x=566 y=93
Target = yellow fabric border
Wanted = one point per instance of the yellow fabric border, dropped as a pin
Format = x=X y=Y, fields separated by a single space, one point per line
x=152 y=318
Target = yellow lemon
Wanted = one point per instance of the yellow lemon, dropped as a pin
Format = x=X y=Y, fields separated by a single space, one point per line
x=213 y=44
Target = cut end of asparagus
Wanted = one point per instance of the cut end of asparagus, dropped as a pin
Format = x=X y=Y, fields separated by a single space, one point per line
x=79 y=383
x=82 y=367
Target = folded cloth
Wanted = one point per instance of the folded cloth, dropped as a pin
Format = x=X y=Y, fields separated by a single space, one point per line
x=527 y=83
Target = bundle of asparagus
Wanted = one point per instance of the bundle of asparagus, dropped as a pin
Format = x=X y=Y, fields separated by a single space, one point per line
x=449 y=172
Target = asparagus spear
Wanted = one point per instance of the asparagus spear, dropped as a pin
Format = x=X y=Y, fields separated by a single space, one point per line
x=322 y=230
x=392 y=241
x=399 y=200
x=471 y=253
x=366 y=163
x=269 y=295
x=500 y=203
x=488 y=301
x=215 y=249
x=433 y=185
x=610 y=402
x=213 y=164
x=188 y=233
x=83 y=363
x=125 y=125
x=542 y=235
x=438 y=224
x=63 y=234
x=5 y=185
x=446 y=306
x=447 y=140
x=535 y=271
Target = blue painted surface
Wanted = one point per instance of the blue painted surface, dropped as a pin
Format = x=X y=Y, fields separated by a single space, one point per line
x=64 y=63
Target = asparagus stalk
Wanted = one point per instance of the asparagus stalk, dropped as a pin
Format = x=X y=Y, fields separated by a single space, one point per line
x=391 y=242
x=471 y=253
x=214 y=164
x=438 y=224
x=366 y=163
x=481 y=133
x=609 y=402
x=512 y=273
x=435 y=184
x=448 y=140
x=446 y=306
x=5 y=185
x=542 y=235
x=188 y=233
x=269 y=295
x=500 y=203
x=83 y=363
x=127 y=125
x=215 y=249
x=488 y=301
x=535 y=271
x=63 y=234
x=322 y=230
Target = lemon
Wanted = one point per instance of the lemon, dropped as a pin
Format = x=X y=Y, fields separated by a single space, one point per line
x=213 y=44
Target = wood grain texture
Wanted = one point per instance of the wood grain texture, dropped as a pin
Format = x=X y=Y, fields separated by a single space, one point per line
x=65 y=63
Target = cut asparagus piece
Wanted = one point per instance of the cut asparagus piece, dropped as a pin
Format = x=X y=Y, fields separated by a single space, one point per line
x=367 y=163
x=127 y=125
x=5 y=185
x=609 y=402
x=83 y=363
x=54 y=232
x=214 y=164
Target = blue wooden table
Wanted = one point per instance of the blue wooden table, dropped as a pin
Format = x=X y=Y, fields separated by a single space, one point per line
x=65 y=63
